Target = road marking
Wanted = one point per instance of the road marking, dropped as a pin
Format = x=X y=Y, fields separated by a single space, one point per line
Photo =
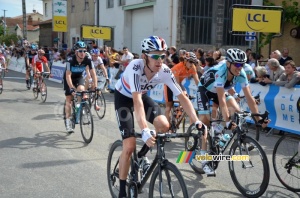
x=20 y=78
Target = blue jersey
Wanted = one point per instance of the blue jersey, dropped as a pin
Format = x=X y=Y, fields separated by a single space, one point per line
x=217 y=77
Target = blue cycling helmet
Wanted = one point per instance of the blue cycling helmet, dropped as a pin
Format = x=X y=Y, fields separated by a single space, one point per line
x=33 y=47
x=95 y=51
x=79 y=44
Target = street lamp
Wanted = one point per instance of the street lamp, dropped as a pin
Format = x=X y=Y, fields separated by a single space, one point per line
x=4 y=22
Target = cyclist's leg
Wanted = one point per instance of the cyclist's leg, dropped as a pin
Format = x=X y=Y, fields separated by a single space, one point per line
x=124 y=113
x=79 y=83
x=232 y=105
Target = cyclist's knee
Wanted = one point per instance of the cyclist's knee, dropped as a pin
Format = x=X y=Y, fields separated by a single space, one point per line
x=161 y=123
x=129 y=145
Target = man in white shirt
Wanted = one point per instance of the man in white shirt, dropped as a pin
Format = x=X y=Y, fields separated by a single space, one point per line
x=126 y=58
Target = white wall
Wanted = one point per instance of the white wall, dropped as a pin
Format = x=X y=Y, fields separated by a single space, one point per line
x=49 y=10
x=163 y=24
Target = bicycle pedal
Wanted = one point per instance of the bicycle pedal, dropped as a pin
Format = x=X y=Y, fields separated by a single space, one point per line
x=212 y=175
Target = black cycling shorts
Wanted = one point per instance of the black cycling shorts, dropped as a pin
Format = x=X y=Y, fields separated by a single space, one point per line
x=124 y=112
x=76 y=82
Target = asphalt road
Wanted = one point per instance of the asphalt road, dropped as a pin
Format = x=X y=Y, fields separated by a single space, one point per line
x=39 y=159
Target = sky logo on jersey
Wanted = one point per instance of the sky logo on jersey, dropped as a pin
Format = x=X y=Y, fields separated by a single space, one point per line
x=219 y=84
x=78 y=69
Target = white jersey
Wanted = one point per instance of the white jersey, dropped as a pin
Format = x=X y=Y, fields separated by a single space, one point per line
x=134 y=79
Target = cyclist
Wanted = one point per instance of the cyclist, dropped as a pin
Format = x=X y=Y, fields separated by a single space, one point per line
x=73 y=78
x=219 y=79
x=131 y=89
x=37 y=64
x=28 y=62
x=99 y=68
x=181 y=71
x=2 y=66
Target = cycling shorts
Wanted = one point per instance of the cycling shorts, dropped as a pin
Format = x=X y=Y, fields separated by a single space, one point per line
x=76 y=82
x=124 y=112
x=204 y=97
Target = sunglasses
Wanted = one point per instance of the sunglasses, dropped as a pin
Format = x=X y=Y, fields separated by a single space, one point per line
x=81 y=51
x=238 y=64
x=156 y=56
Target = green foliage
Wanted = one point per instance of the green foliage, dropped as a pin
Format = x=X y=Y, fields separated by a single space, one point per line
x=8 y=38
x=291 y=15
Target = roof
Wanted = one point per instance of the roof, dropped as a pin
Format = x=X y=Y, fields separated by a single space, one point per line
x=11 y=22
x=27 y=14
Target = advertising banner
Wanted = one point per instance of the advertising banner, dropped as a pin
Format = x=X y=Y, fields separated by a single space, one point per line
x=59 y=21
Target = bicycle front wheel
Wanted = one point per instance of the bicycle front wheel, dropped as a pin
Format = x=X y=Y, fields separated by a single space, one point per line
x=167 y=181
x=100 y=105
x=86 y=123
x=43 y=89
x=113 y=168
x=35 y=91
x=251 y=174
x=286 y=161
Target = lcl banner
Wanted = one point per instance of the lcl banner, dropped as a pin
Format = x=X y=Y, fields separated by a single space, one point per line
x=95 y=32
x=59 y=22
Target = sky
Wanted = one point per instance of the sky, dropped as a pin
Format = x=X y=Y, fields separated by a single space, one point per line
x=14 y=7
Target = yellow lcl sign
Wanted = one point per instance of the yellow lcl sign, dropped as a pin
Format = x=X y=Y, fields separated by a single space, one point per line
x=60 y=24
x=94 y=32
x=252 y=20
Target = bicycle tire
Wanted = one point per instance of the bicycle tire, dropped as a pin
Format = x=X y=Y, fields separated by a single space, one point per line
x=113 y=167
x=286 y=168
x=179 y=189
x=257 y=187
x=195 y=145
x=102 y=104
x=35 y=91
x=43 y=89
x=1 y=89
x=86 y=118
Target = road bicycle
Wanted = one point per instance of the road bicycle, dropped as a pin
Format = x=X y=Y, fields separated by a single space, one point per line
x=81 y=114
x=286 y=161
x=178 y=115
x=39 y=86
x=251 y=174
x=257 y=124
x=166 y=179
x=97 y=98
x=2 y=75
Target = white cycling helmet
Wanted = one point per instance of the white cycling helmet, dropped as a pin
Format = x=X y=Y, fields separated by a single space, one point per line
x=190 y=56
x=235 y=55
x=153 y=43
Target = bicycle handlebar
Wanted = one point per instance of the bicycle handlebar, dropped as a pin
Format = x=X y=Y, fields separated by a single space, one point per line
x=264 y=116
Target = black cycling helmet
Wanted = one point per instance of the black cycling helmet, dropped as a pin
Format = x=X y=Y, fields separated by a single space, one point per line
x=79 y=44
x=235 y=55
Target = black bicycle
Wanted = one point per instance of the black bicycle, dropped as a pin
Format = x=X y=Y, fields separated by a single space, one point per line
x=166 y=179
x=81 y=114
x=40 y=86
x=250 y=174
x=97 y=100
x=286 y=161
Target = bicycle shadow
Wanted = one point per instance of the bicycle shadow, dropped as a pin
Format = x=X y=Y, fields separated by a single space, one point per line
x=51 y=163
x=53 y=139
x=273 y=191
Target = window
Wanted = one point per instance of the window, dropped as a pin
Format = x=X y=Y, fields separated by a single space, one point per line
x=110 y=3
x=229 y=39
x=197 y=19
x=122 y=2
x=86 y=5
x=72 y=6
x=46 y=9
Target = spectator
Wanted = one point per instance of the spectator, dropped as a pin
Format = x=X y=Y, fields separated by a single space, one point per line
x=248 y=52
x=200 y=56
x=275 y=71
x=126 y=58
x=285 y=56
x=173 y=55
x=252 y=59
x=209 y=62
x=290 y=77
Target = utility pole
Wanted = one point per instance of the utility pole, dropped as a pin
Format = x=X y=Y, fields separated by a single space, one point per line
x=24 y=19
x=4 y=22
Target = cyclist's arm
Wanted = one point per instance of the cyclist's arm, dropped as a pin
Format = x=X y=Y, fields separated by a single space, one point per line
x=104 y=70
x=250 y=100
x=47 y=66
x=222 y=103
x=196 y=78
x=188 y=107
x=139 y=110
x=69 y=79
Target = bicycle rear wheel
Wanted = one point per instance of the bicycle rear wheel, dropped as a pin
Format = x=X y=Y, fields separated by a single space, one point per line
x=43 y=89
x=86 y=123
x=286 y=162
x=101 y=104
x=251 y=176
x=1 y=88
x=113 y=168
x=168 y=182
x=35 y=91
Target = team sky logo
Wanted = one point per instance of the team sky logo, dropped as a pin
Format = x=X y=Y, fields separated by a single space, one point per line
x=136 y=67
x=256 y=22
x=167 y=70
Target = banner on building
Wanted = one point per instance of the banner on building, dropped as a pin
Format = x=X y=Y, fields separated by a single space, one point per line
x=95 y=32
x=255 y=20
x=59 y=21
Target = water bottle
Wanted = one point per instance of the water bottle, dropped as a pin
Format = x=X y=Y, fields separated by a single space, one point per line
x=224 y=139
x=77 y=107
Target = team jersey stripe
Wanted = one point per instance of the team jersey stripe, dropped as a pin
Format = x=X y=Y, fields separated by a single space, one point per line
x=125 y=85
x=137 y=83
x=176 y=84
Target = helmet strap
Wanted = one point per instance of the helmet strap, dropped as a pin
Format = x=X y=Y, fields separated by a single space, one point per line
x=229 y=69
x=148 y=65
